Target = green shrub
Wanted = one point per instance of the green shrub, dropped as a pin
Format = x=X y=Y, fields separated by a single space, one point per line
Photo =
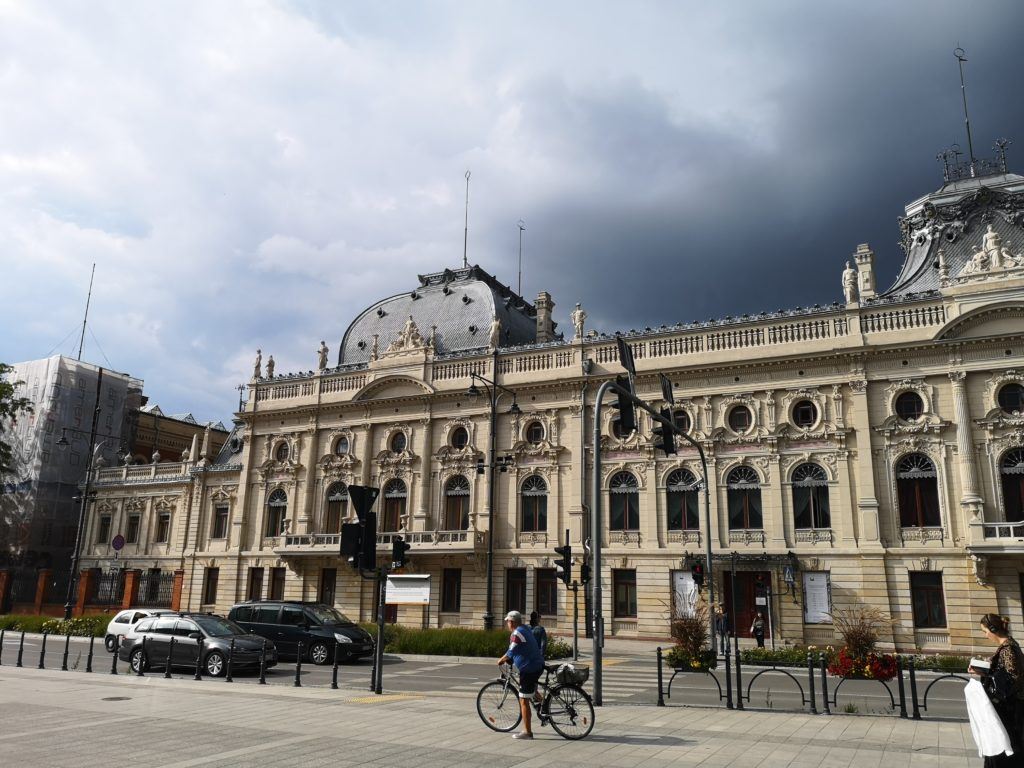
x=83 y=626
x=941 y=662
x=19 y=623
x=781 y=657
x=456 y=641
x=678 y=658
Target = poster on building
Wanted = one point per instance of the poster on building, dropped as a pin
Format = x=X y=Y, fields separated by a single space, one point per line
x=684 y=594
x=408 y=589
x=817 y=604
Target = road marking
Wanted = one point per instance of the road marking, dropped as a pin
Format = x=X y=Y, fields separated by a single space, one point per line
x=384 y=698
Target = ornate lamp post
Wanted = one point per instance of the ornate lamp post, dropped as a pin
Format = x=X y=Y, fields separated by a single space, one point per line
x=494 y=391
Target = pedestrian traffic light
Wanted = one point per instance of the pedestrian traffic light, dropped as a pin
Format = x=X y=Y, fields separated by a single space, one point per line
x=563 y=566
x=398 y=549
x=585 y=571
x=697 y=571
x=665 y=438
x=627 y=413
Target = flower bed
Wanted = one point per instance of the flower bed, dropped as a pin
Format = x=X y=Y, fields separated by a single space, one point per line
x=874 y=666
x=780 y=657
x=679 y=659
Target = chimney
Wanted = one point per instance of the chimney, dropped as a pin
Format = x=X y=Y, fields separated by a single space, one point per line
x=545 y=327
x=865 y=258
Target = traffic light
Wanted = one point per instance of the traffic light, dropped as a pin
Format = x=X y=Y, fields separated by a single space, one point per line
x=368 y=541
x=627 y=413
x=585 y=571
x=351 y=533
x=760 y=587
x=665 y=438
x=398 y=549
x=563 y=566
x=697 y=571
x=480 y=466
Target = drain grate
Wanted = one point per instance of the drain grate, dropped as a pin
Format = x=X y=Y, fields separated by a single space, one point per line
x=117 y=698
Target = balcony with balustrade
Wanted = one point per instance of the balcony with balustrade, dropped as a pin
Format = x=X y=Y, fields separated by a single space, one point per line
x=423 y=542
x=997 y=538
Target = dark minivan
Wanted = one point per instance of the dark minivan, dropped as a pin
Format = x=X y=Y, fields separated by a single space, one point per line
x=317 y=626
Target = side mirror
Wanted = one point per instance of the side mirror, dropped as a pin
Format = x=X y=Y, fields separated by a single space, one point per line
x=195 y=635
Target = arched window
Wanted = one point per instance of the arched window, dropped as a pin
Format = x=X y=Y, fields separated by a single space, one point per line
x=459 y=438
x=534 y=433
x=625 y=503
x=683 y=514
x=281 y=454
x=917 y=489
x=395 y=495
x=810 y=497
x=277 y=512
x=456 y=504
x=1011 y=468
x=744 y=492
x=535 y=504
x=337 y=508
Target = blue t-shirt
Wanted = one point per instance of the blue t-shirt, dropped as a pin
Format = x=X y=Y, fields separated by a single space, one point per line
x=541 y=635
x=524 y=651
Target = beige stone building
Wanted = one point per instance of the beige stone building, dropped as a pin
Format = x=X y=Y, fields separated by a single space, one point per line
x=869 y=451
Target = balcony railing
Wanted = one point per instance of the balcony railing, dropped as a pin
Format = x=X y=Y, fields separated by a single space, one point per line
x=319 y=543
x=922 y=533
x=1014 y=530
x=814 y=535
x=684 y=537
x=747 y=536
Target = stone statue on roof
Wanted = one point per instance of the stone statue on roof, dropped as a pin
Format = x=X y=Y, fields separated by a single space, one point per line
x=408 y=338
x=849 y=284
x=322 y=356
x=494 y=336
x=257 y=369
x=992 y=245
x=578 y=317
x=270 y=367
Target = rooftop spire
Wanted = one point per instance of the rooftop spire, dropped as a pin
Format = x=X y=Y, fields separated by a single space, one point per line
x=961 y=57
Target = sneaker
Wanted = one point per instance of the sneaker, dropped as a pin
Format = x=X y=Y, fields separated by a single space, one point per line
x=522 y=735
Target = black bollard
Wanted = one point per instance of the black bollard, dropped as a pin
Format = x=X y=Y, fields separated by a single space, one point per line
x=67 y=647
x=231 y=654
x=739 y=678
x=21 y=648
x=199 y=659
x=728 y=676
x=913 y=689
x=825 y=706
x=812 y=706
x=661 y=690
x=42 y=653
x=2 y=633
x=88 y=659
x=900 y=686
x=113 y=656
x=334 y=672
x=170 y=656
x=298 y=667
x=263 y=663
x=142 y=659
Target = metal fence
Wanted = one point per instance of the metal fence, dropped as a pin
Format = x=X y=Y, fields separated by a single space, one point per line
x=155 y=589
x=55 y=590
x=23 y=585
x=108 y=588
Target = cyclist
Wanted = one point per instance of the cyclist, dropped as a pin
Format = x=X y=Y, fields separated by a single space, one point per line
x=524 y=652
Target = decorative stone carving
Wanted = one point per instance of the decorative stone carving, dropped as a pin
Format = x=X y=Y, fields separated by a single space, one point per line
x=849 y=284
x=408 y=339
x=992 y=255
x=980 y=563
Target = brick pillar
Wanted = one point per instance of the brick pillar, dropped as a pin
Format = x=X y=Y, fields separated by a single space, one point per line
x=5 y=589
x=176 y=587
x=41 y=579
x=131 y=588
x=86 y=580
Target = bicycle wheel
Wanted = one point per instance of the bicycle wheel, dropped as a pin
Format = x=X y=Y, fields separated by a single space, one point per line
x=570 y=711
x=498 y=706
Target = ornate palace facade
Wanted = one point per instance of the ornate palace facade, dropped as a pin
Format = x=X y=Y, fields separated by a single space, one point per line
x=865 y=452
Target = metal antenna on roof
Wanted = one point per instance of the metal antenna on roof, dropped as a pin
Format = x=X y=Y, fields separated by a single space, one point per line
x=465 y=238
x=522 y=227
x=85 y=319
x=961 y=57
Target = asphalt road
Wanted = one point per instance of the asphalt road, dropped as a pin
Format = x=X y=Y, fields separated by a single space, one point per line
x=626 y=680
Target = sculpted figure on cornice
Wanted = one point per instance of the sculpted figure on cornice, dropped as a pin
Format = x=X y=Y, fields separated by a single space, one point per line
x=409 y=338
x=992 y=255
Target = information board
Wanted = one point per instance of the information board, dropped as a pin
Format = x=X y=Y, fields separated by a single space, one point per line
x=817 y=605
x=408 y=589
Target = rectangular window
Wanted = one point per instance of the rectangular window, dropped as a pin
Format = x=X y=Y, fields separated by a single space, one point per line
x=624 y=590
x=132 y=536
x=451 y=590
x=515 y=590
x=546 y=592
x=254 y=589
x=220 y=522
x=163 y=528
x=210 y=578
x=276 y=584
x=928 y=600
x=103 y=531
x=683 y=511
x=625 y=512
x=275 y=521
x=535 y=513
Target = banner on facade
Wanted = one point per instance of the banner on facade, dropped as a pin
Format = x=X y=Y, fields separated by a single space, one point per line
x=817 y=602
x=684 y=594
x=408 y=589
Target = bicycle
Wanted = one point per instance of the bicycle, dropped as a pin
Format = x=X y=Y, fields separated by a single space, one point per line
x=565 y=705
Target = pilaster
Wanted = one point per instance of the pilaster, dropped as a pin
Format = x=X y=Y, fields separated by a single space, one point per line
x=864 y=471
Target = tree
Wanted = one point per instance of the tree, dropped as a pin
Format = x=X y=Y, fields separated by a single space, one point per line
x=10 y=406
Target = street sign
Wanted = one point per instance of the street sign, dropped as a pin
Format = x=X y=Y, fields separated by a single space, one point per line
x=408 y=589
x=787 y=574
x=761 y=600
x=117 y=543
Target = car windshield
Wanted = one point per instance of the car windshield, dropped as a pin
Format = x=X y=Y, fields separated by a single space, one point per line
x=327 y=615
x=215 y=626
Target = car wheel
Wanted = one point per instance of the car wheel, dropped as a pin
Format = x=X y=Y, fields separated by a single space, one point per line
x=110 y=642
x=215 y=664
x=138 y=659
x=319 y=653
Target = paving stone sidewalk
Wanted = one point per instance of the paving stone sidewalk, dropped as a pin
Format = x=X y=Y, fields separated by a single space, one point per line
x=53 y=719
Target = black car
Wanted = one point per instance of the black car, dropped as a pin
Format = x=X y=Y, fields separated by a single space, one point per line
x=317 y=626
x=149 y=643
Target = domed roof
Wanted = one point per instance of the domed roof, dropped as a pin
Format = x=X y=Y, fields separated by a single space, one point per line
x=459 y=304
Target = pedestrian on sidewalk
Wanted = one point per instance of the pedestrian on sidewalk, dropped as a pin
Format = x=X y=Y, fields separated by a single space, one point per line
x=722 y=627
x=1004 y=683
x=539 y=633
x=757 y=629
x=525 y=654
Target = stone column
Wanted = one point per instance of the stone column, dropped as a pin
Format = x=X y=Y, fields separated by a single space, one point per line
x=867 y=503
x=776 y=528
x=176 y=589
x=367 y=460
x=970 y=499
x=131 y=588
x=304 y=522
x=422 y=515
x=41 y=579
x=85 y=584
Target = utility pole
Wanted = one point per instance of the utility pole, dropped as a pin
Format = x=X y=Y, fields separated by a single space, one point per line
x=88 y=299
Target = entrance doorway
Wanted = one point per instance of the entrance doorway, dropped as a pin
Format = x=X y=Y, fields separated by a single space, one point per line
x=746 y=607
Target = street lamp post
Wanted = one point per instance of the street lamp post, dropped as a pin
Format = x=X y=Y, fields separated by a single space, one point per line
x=494 y=391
